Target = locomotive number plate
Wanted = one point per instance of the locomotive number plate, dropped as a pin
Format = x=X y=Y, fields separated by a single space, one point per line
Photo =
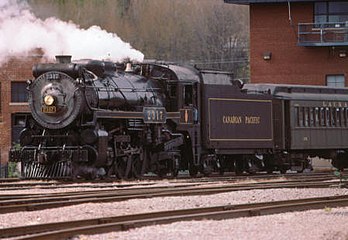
x=49 y=109
x=155 y=115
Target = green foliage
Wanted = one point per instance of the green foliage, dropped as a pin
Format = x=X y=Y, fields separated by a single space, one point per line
x=12 y=167
x=337 y=173
x=16 y=146
x=13 y=170
x=340 y=175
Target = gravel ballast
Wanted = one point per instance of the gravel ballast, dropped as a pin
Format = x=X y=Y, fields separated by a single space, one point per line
x=316 y=224
x=326 y=224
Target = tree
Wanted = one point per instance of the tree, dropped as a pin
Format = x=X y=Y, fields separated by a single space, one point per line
x=210 y=33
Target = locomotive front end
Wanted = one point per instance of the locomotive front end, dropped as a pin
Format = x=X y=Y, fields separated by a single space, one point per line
x=55 y=98
x=49 y=142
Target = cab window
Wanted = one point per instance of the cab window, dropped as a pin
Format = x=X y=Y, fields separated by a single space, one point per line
x=188 y=95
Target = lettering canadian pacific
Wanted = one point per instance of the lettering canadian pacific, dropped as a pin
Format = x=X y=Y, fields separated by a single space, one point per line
x=231 y=119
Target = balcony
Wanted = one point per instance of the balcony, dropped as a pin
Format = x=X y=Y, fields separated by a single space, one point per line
x=323 y=34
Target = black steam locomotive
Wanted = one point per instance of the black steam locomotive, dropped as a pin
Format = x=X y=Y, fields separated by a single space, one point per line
x=96 y=119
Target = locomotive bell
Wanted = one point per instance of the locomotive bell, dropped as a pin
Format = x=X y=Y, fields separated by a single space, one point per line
x=129 y=67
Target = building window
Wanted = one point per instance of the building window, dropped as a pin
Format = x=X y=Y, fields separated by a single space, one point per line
x=335 y=81
x=18 y=124
x=331 y=11
x=19 y=92
x=19 y=120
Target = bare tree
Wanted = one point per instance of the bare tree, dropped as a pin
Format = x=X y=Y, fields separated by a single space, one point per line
x=209 y=33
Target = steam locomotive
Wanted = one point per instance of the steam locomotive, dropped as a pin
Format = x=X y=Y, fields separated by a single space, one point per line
x=95 y=119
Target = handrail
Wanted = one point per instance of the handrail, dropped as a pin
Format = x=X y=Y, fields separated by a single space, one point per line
x=323 y=34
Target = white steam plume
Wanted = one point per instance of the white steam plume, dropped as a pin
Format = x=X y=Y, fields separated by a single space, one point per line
x=22 y=32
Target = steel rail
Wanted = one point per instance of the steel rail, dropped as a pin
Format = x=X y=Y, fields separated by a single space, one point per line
x=16 y=184
x=60 y=230
x=310 y=178
x=53 y=184
x=45 y=201
x=112 y=188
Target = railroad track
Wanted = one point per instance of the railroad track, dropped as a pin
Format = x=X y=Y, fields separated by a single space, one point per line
x=61 y=230
x=62 y=185
x=18 y=184
x=31 y=202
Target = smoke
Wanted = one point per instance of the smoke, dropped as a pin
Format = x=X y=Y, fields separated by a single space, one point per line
x=21 y=32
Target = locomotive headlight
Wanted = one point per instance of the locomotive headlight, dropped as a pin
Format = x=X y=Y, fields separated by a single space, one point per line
x=49 y=100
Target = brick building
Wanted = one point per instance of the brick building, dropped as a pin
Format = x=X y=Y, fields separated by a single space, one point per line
x=298 y=41
x=14 y=107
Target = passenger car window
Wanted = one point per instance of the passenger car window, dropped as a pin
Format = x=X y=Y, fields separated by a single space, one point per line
x=316 y=116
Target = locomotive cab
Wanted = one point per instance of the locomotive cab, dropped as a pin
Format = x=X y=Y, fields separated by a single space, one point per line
x=182 y=84
x=172 y=93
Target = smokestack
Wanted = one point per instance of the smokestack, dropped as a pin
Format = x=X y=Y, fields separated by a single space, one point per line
x=63 y=58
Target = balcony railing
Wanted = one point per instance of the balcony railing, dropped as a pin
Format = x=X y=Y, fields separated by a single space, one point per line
x=323 y=34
